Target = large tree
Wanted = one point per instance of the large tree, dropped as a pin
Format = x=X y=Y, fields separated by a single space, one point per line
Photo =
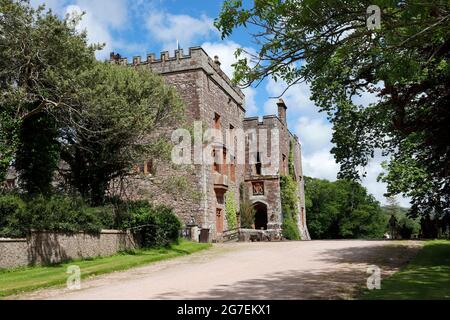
x=122 y=114
x=58 y=102
x=328 y=44
x=41 y=57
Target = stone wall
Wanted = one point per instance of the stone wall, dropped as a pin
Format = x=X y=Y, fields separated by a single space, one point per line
x=13 y=253
x=49 y=247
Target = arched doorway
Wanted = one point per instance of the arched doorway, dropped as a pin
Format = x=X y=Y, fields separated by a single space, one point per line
x=260 y=216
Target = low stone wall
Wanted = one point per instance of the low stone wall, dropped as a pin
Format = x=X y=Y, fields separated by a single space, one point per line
x=50 y=247
x=246 y=235
x=13 y=253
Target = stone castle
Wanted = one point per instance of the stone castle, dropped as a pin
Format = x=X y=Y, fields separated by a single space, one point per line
x=210 y=97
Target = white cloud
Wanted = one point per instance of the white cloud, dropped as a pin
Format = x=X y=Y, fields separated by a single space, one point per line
x=225 y=51
x=297 y=99
x=57 y=6
x=168 y=28
x=100 y=19
x=320 y=164
x=314 y=134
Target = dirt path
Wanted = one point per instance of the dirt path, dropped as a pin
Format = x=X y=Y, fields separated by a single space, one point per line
x=277 y=270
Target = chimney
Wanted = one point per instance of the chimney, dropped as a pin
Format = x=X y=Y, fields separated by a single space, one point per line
x=216 y=61
x=282 y=110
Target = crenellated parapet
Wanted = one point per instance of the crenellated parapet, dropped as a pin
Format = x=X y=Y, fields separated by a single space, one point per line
x=195 y=59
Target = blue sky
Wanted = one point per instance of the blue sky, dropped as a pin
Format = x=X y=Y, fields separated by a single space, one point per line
x=139 y=27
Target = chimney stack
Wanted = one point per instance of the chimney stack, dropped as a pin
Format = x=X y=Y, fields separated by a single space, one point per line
x=282 y=110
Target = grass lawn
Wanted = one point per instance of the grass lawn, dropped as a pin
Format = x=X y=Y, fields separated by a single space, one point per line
x=426 y=277
x=31 y=278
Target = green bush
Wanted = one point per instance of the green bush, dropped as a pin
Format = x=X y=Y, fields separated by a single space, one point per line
x=290 y=229
x=169 y=225
x=106 y=215
x=157 y=226
x=12 y=211
x=61 y=214
x=56 y=213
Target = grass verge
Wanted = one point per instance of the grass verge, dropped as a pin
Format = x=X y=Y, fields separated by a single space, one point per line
x=31 y=278
x=426 y=277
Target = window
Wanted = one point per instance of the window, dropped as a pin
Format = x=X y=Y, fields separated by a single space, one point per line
x=258 y=165
x=233 y=169
x=220 y=198
x=216 y=165
x=284 y=169
x=224 y=162
x=216 y=121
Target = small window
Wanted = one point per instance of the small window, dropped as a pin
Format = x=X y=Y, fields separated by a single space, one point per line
x=258 y=165
x=233 y=169
x=216 y=165
x=220 y=198
x=216 y=121
x=224 y=162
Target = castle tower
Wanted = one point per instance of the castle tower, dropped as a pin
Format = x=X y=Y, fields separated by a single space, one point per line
x=210 y=97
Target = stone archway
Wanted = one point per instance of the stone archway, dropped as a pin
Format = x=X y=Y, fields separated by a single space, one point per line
x=261 y=218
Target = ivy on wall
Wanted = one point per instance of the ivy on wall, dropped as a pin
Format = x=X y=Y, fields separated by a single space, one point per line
x=289 y=200
x=231 y=209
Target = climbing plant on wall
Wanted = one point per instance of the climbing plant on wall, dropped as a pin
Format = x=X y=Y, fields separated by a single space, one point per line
x=231 y=209
x=289 y=200
x=291 y=159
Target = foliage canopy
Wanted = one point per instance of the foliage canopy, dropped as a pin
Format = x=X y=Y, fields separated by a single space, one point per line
x=404 y=63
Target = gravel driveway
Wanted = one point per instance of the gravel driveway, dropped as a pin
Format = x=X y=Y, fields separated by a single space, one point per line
x=271 y=270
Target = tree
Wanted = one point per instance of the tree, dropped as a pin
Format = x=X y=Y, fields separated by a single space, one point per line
x=55 y=97
x=342 y=209
x=400 y=223
x=120 y=120
x=405 y=63
x=40 y=58
x=37 y=154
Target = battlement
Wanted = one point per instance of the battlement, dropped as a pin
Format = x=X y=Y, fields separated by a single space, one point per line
x=272 y=121
x=151 y=57
x=195 y=59
x=268 y=120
